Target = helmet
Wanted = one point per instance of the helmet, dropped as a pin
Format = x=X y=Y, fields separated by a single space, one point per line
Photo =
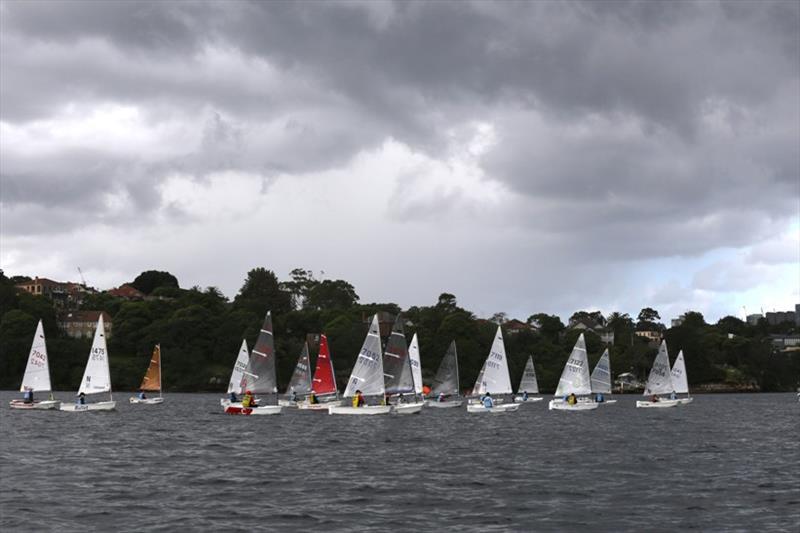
x=248 y=392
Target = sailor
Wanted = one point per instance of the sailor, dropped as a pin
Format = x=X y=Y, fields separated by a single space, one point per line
x=142 y=395
x=81 y=399
x=232 y=397
x=312 y=398
x=358 y=399
x=572 y=399
x=441 y=397
x=599 y=398
x=27 y=396
x=654 y=399
x=524 y=396
x=247 y=399
x=487 y=401
x=293 y=397
x=401 y=398
x=673 y=396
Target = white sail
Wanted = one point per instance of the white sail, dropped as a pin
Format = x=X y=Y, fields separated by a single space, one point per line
x=96 y=377
x=367 y=375
x=416 y=364
x=494 y=377
x=237 y=376
x=601 y=375
x=679 y=379
x=528 y=382
x=660 y=379
x=37 y=373
x=575 y=377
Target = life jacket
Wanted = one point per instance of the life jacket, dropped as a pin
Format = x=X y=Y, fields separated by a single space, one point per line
x=247 y=400
x=488 y=402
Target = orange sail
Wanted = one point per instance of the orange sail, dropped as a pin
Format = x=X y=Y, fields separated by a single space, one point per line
x=152 y=378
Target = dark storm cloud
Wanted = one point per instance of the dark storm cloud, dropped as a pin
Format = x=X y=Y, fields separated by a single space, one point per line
x=330 y=80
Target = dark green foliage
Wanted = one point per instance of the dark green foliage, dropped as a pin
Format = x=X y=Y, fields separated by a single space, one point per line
x=150 y=280
x=200 y=332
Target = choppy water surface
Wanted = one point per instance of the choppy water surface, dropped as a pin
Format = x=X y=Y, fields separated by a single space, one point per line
x=725 y=462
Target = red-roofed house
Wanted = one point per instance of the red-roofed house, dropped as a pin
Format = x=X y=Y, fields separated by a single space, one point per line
x=128 y=292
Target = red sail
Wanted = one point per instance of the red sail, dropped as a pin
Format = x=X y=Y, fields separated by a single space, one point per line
x=324 y=380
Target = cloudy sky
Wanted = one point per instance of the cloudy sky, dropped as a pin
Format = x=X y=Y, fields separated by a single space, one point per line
x=525 y=157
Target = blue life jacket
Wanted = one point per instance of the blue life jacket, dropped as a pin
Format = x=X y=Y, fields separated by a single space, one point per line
x=487 y=401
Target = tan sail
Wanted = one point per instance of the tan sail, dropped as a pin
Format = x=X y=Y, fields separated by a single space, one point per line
x=152 y=378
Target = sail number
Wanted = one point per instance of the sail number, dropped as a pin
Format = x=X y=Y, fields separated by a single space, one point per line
x=98 y=354
x=38 y=358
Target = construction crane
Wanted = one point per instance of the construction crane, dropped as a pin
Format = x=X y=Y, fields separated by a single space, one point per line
x=82 y=278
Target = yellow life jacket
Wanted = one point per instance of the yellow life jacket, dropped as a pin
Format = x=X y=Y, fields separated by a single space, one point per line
x=355 y=401
x=247 y=400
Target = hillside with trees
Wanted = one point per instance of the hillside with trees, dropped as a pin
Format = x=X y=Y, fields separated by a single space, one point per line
x=200 y=331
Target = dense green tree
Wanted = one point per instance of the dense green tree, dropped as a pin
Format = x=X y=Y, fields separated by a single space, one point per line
x=262 y=292
x=331 y=294
x=550 y=326
x=150 y=280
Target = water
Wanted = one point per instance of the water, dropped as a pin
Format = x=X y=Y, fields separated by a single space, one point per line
x=725 y=462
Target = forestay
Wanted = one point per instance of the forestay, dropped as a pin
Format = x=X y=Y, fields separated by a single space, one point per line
x=416 y=364
x=678 y=375
x=259 y=377
x=575 y=377
x=446 y=380
x=494 y=377
x=37 y=372
x=300 y=382
x=152 y=378
x=660 y=379
x=396 y=363
x=324 y=379
x=96 y=377
x=367 y=375
x=528 y=382
x=236 y=384
x=601 y=375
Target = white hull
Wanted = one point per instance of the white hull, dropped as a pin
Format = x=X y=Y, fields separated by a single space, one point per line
x=365 y=410
x=445 y=404
x=287 y=403
x=684 y=401
x=503 y=408
x=38 y=406
x=147 y=401
x=312 y=406
x=561 y=405
x=657 y=405
x=531 y=399
x=96 y=406
x=408 y=408
x=238 y=409
x=607 y=401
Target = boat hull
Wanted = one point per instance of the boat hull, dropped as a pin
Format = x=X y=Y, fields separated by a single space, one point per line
x=365 y=410
x=312 y=406
x=561 y=405
x=147 y=401
x=96 y=406
x=238 y=409
x=445 y=404
x=684 y=401
x=531 y=399
x=661 y=404
x=502 y=408
x=408 y=408
x=35 y=406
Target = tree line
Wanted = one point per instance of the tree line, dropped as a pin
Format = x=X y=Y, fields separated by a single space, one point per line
x=200 y=331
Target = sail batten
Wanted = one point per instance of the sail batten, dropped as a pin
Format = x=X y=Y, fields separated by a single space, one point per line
x=575 y=377
x=37 y=371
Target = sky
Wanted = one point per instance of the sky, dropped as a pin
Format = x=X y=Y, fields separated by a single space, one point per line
x=524 y=156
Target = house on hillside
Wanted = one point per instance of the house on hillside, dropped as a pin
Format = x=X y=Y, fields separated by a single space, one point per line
x=64 y=295
x=514 y=326
x=81 y=324
x=587 y=324
x=127 y=292
x=652 y=335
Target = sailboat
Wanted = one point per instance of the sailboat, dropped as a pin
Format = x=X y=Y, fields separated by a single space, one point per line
x=445 y=384
x=601 y=379
x=398 y=372
x=300 y=382
x=528 y=384
x=152 y=380
x=259 y=376
x=679 y=379
x=659 y=382
x=416 y=366
x=37 y=375
x=96 y=376
x=323 y=385
x=575 y=380
x=493 y=379
x=366 y=377
x=237 y=374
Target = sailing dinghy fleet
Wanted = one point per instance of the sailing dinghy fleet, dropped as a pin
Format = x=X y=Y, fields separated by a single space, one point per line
x=382 y=381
